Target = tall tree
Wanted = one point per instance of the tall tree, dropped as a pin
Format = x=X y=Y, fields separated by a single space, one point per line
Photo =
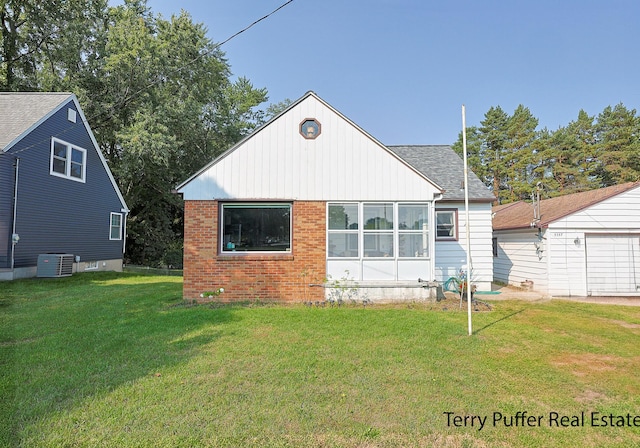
x=157 y=94
x=166 y=108
x=519 y=159
x=43 y=42
x=476 y=154
x=568 y=162
x=493 y=133
x=618 y=145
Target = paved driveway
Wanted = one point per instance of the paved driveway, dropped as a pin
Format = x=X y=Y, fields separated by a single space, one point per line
x=515 y=293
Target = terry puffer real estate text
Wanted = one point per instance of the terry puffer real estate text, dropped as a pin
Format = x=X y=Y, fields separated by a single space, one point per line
x=552 y=419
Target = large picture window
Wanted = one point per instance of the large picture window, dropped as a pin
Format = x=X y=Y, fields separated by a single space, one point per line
x=67 y=160
x=255 y=227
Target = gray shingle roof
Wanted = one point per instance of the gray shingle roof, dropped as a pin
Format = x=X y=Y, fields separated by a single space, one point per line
x=20 y=111
x=443 y=166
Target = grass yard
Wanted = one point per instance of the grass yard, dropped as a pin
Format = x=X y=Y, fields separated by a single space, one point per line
x=117 y=360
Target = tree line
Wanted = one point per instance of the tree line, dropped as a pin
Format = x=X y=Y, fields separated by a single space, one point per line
x=156 y=91
x=159 y=97
x=512 y=157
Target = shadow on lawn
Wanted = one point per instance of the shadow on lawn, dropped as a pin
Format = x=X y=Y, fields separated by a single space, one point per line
x=498 y=320
x=69 y=339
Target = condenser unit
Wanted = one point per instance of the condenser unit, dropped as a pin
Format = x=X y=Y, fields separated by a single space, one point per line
x=55 y=265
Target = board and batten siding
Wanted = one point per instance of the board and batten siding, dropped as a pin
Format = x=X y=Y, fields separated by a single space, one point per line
x=450 y=256
x=58 y=215
x=342 y=163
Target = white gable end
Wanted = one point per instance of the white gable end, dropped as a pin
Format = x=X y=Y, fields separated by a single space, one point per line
x=341 y=163
x=616 y=213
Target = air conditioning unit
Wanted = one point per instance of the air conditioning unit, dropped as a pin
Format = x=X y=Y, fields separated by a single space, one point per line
x=55 y=265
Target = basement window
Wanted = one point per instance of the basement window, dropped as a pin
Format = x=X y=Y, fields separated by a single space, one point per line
x=255 y=227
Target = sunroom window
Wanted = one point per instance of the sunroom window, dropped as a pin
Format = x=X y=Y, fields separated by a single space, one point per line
x=413 y=230
x=255 y=227
x=343 y=230
x=378 y=230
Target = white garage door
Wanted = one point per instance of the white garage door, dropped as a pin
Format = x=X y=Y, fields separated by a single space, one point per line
x=613 y=264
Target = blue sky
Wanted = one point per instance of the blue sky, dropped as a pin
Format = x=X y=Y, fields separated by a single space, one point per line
x=402 y=69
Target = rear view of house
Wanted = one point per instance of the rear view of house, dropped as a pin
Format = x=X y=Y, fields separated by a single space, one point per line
x=582 y=244
x=57 y=194
x=310 y=203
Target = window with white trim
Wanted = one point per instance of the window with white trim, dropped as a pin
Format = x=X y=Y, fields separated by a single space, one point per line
x=67 y=160
x=447 y=224
x=378 y=230
x=255 y=227
x=342 y=230
x=413 y=230
x=115 y=226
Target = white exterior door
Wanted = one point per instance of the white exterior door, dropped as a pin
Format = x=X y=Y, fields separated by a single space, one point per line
x=613 y=264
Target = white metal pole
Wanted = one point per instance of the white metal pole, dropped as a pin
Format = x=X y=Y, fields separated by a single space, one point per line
x=467 y=222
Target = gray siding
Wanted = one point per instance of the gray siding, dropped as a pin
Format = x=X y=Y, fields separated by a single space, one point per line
x=6 y=208
x=57 y=215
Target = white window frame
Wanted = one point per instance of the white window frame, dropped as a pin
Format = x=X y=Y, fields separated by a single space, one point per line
x=361 y=231
x=112 y=227
x=223 y=250
x=91 y=266
x=379 y=235
x=454 y=220
x=423 y=233
x=68 y=161
x=356 y=230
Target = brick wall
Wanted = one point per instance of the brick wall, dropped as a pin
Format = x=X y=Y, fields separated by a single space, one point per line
x=281 y=277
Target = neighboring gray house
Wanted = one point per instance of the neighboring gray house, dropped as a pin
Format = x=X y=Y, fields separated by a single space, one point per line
x=582 y=244
x=57 y=194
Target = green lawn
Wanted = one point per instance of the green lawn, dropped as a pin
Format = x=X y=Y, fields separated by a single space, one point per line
x=117 y=360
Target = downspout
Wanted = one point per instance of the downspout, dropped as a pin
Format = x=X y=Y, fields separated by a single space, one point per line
x=14 y=235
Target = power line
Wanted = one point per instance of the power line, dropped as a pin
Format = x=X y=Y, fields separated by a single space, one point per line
x=254 y=23
x=200 y=56
x=177 y=70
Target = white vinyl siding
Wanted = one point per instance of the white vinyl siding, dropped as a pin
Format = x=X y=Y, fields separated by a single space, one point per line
x=521 y=257
x=590 y=252
x=450 y=255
